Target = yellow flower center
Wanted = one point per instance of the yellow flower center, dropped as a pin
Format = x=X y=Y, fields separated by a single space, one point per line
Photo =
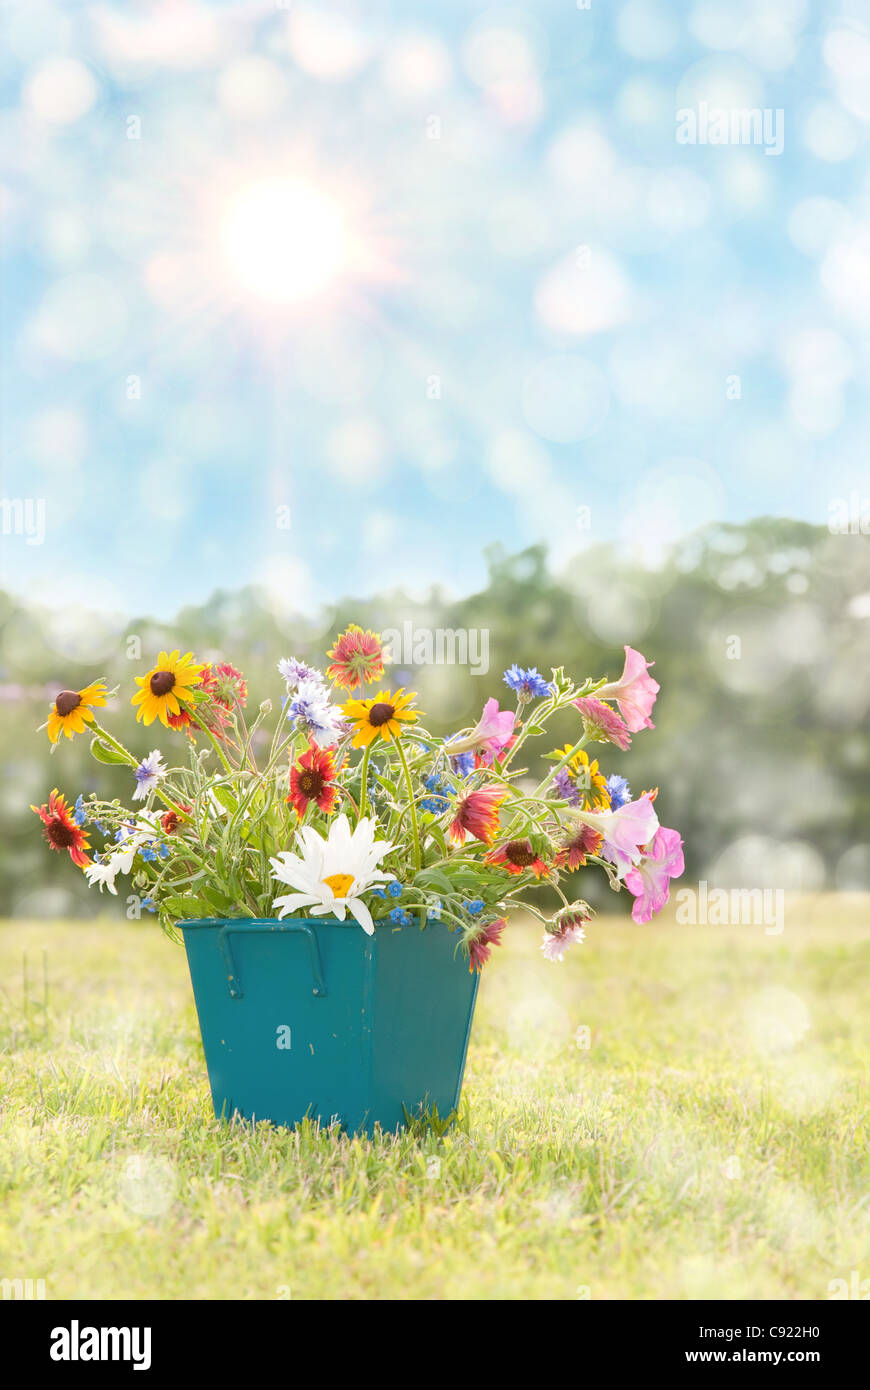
x=339 y=883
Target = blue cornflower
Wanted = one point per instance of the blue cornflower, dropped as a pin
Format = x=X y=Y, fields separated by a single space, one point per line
x=400 y=917
x=473 y=906
x=619 y=790
x=147 y=853
x=378 y=893
x=529 y=684
x=149 y=903
x=295 y=672
x=311 y=711
x=463 y=763
x=150 y=771
x=79 y=814
x=395 y=890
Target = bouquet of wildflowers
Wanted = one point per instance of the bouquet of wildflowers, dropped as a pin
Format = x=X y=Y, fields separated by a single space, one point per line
x=351 y=810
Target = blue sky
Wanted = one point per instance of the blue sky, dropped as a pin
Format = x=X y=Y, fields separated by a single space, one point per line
x=330 y=297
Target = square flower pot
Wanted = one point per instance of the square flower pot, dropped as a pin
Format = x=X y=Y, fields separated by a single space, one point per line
x=312 y=1018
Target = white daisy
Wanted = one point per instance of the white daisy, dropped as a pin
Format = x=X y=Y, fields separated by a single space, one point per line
x=329 y=874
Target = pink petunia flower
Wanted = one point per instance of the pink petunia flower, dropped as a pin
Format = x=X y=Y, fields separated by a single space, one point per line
x=635 y=692
x=624 y=830
x=650 y=880
x=603 y=724
x=493 y=731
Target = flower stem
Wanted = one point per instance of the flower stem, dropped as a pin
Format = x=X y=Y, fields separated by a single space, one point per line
x=415 y=825
x=217 y=748
x=363 y=795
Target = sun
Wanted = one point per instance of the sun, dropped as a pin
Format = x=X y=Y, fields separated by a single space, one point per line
x=284 y=240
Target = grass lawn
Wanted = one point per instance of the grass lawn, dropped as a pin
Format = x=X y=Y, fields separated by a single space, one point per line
x=676 y=1112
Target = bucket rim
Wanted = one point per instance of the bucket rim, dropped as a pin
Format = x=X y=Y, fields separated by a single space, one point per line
x=197 y=923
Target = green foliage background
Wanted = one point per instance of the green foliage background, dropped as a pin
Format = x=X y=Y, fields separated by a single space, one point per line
x=759 y=633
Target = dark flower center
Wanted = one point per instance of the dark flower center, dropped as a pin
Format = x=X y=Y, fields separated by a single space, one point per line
x=310 y=783
x=67 y=701
x=60 y=834
x=162 y=682
x=381 y=714
x=519 y=852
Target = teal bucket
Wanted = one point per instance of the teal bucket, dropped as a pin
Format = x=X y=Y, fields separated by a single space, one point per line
x=312 y=1018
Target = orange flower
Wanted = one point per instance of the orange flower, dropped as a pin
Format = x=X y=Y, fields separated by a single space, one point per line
x=310 y=780
x=61 y=831
x=573 y=853
x=518 y=857
x=477 y=815
x=357 y=658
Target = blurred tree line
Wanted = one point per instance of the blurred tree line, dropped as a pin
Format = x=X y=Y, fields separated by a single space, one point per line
x=759 y=633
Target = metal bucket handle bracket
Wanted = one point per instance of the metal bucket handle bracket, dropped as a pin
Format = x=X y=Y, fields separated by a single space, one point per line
x=247 y=929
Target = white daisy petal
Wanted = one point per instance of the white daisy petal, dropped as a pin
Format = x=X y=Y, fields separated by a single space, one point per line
x=353 y=854
x=291 y=901
x=362 y=915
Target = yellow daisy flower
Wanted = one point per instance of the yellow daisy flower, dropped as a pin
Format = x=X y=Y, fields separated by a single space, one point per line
x=589 y=780
x=381 y=716
x=163 y=689
x=72 y=710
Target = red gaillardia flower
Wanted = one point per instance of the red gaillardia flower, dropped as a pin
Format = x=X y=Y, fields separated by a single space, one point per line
x=171 y=820
x=357 y=658
x=584 y=841
x=477 y=815
x=61 y=831
x=480 y=946
x=225 y=685
x=518 y=857
x=181 y=721
x=311 y=779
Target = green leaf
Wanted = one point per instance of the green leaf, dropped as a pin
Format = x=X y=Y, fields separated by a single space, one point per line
x=221 y=902
x=184 y=908
x=433 y=878
x=104 y=753
x=226 y=798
